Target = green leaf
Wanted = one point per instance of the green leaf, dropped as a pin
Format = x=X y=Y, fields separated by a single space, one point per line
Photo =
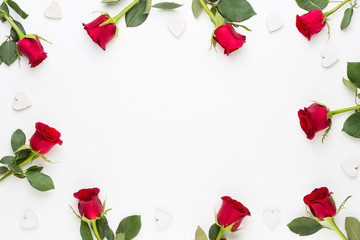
x=148 y=7
x=22 y=156
x=347 y=18
x=120 y=236
x=352 y=227
x=4 y=7
x=15 y=168
x=130 y=226
x=350 y=85
x=135 y=16
x=167 y=5
x=200 y=234
x=3 y=170
x=304 y=226
x=236 y=10
x=18 y=139
x=104 y=229
x=7 y=160
x=40 y=181
x=352 y=125
x=196 y=8
x=8 y=52
x=17 y=9
x=309 y=5
x=214 y=231
x=34 y=169
x=85 y=231
x=353 y=72
x=13 y=33
x=2 y=14
x=109 y=1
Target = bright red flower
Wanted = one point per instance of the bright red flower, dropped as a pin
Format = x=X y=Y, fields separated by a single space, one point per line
x=32 y=49
x=228 y=38
x=310 y=23
x=313 y=119
x=44 y=138
x=89 y=205
x=101 y=35
x=231 y=211
x=320 y=203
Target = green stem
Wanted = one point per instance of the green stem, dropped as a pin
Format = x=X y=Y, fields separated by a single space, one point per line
x=221 y=232
x=328 y=13
x=122 y=13
x=96 y=232
x=9 y=173
x=208 y=11
x=344 y=110
x=335 y=227
x=13 y=24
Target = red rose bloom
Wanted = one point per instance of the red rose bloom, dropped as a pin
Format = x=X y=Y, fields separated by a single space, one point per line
x=320 y=203
x=33 y=50
x=89 y=205
x=101 y=34
x=44 y=138
x=313 y=119
x=310 y=23
x=228 y=38
x=231 y=211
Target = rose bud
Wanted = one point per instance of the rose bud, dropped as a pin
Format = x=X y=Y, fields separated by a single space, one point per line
x=313 y=119
x=44 y=138
x=320 y=203
x=310 y=23
x=33 y=50
x=228 y=38
x=89 y=205
x=101 y=34
x=231 y=212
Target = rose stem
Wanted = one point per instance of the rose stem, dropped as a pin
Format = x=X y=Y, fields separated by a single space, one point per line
x=122 y=13
x=335 y=227
x=13 y=24
x=343 y=110
x=208 y=11
x=221 y=232
x=96 y=232
x=328 y=13
x=9 y=173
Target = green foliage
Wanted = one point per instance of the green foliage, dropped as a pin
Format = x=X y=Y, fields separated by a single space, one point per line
x=167 y=5
x=352 y=227
x=196 y=8
x=3 y=170
x=15 y=168
x=200 y=234
x=353 y=72
x=8 y=52
x=18 y=139
x=347 y=18
x=13 y=33
x=17 y=9
x=85 y=231
x=350 y=85
x=136 y=16
x=236 y=10
x=4 y=7
x=40 y=181
x=33 y=169
x=104 y=229
x=214 y=231
x=309 y=5
x=304 y=226
x=7 y=160
x=352 y=125
x=130 y=226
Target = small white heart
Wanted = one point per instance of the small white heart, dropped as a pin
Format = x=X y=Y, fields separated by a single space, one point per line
x=274 y=23
x=177 y=27
x=351 y=167
x=29 y=221
x=53 y=11
x=21 y=101
x=329 y=58
x=162 y=219
x=271 y=218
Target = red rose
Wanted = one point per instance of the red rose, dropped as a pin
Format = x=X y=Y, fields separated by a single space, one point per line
x=89 y=205
x=101 y=34
x=44 y=138
x=228 y=38
x=33 y=50
x=231 y=211
x=320 y=203
x=310 y=23
x=313 y=119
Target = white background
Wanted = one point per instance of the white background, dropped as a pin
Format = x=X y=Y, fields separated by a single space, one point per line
x=163 y=123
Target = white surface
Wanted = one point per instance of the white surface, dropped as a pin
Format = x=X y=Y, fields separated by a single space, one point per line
x=271 y=218
x=163 y=123
x=29 y=220
x=162 y=219
x=177 y=27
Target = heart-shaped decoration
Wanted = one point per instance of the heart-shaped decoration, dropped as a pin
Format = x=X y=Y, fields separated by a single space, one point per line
x=350 y=167
x=162 y=219
x=29 y=221
x=177 y=27
x=271 y=218
x=53 y=11
x=274 y=23
x=21 y=101
x=329 y=58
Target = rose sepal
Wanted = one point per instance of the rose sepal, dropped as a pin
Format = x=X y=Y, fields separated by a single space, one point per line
x=342 y=205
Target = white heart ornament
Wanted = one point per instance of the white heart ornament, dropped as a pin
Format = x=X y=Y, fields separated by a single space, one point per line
x=329 y=58
x=162 y=219
x=29 y=221
x=274 y=23
x=21 y=101
x=351 y=167
x=177 y=27
x=53 y=11
x=271 y=218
